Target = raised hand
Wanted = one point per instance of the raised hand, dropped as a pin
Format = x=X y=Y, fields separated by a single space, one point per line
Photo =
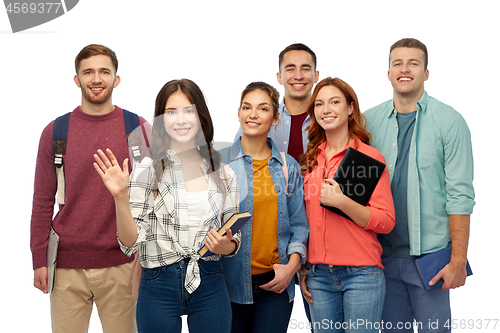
x=114 y=177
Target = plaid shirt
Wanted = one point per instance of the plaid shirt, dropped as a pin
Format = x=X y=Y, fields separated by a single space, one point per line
x=160 y=233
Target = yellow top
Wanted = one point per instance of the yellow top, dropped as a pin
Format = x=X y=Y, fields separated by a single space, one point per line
x=265 y=220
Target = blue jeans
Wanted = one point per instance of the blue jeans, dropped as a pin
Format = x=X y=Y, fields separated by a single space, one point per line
x=346 y=298
x=408 y=304
x=163 y=299
x=269 y=313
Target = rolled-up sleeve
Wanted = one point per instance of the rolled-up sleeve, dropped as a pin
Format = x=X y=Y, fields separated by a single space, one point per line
x=299 y=228
x=141 y=197
x=459 y=167
x=381 y=204
x=231 y=202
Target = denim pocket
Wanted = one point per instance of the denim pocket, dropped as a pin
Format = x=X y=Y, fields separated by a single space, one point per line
x=210 y=267
x=150 y=273
x=311 y=271
x=372 y=270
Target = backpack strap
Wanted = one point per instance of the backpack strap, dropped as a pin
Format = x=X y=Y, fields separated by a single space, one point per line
x=134 y=135
x=285 y=170
x=59 y=141
x=60 y=138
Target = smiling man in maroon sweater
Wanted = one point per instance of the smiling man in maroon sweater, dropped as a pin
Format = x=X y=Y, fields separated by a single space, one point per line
x=90 y=265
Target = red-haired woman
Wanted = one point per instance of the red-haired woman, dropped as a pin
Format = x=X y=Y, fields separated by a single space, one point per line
x=343 y=281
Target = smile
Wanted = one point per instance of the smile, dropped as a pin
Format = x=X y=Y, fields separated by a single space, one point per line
x=252 y=124
x=182 y=131
x=328 y=118
x=405 y=79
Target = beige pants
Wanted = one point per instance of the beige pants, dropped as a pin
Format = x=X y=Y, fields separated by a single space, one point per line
x=76 y=290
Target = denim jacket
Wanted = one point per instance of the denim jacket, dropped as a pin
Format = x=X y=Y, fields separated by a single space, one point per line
x=293 y=228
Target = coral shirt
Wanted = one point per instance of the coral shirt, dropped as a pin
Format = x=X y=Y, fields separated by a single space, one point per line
x=335 y=240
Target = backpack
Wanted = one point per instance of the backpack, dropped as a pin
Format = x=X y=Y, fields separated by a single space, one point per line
x=60 y=136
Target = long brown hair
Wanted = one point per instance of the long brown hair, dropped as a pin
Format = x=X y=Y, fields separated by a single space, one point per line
x=160 y=139
x=356 y=123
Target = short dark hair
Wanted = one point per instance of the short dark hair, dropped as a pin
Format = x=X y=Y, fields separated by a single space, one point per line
x=93 y=50
x=411 y=43
x=296 y=47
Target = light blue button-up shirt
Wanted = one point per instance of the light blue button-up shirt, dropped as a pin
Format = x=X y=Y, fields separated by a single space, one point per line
x=280 y=133
x=440 y=168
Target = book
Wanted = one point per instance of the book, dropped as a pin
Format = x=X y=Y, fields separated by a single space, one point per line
x=430 y=264
x=235 y=222
x=52 y=258
x=357 y=175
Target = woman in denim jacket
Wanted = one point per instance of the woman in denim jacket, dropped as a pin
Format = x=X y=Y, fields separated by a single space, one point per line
x=260 y=278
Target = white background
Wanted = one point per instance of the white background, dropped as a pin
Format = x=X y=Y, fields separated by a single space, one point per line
x=223 y=46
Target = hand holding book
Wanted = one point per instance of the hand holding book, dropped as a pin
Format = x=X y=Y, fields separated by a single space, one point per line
x=451 y=276
x=234 y=223
x=435 y=267
x=331 y=193
x=333 y=197
x=216 y=243
x=356 y=177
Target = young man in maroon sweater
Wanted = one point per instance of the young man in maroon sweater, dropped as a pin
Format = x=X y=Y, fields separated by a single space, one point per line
x=90 y=265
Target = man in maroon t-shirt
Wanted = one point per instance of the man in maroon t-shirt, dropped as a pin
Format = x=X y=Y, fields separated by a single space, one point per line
x=90 y=265
x=297 y=74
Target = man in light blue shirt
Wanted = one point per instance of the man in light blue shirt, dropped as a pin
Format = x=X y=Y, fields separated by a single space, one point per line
x=297 y=74
x=427 y=146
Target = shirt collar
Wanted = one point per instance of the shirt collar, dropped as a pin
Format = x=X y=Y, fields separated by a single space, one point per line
x=421 y=105
x=237 y=151
x=283 y=110
x=172 y=156
x=322 y=147
x=282 y=107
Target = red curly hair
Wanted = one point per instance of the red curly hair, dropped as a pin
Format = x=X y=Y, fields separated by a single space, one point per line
x=356 y=123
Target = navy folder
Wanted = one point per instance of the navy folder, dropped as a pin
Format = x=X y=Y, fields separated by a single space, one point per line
x=430 y=264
